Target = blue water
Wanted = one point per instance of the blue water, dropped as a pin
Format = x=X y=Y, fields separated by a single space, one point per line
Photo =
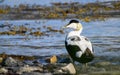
x=104 y=36
x=43 y=2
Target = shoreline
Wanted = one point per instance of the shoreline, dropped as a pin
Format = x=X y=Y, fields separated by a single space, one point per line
x=39 y=65
x=86 y=12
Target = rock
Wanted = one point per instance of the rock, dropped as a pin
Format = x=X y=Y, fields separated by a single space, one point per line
x=70 y=69
x=28 y=69
x=1 y=59
x=3 y=70
x=28 y=62
x=10 y=62
x=52 y=59
x=56 y=68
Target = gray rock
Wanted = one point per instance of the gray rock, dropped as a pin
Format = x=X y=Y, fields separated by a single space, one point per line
x=28 y=69
x=10 y=62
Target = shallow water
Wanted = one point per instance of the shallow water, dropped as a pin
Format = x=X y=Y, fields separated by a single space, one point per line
x=103 y=34
x=42 y=2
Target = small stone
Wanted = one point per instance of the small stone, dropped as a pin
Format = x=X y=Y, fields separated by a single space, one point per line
x=1 y=59
x=52 y=59
x=70 y=69
x=10 y=62
x=28 y=68
x=3 y=70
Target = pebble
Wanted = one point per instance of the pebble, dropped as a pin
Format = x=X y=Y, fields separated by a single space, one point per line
x=52 y=59
x=1 y=59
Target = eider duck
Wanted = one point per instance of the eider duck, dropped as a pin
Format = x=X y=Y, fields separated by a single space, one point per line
x=79 y=47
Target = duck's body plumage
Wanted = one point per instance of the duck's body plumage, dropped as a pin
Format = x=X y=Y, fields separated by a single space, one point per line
x=79 y=47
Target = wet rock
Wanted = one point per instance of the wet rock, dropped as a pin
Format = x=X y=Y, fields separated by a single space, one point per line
x=3 y=70
x=28 y=69
x=70 y=69
x=52 y=59
x=10 y=62
x=28 y=62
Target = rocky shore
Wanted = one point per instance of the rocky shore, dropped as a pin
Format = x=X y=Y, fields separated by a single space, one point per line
x=86 y=12
x=54 y=65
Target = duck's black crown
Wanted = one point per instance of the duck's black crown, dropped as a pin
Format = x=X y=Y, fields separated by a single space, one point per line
x=73 y=21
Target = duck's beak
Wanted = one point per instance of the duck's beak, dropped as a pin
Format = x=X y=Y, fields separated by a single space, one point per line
x=64 y=26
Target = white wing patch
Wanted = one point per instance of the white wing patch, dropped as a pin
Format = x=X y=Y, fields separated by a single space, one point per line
x=78 y=54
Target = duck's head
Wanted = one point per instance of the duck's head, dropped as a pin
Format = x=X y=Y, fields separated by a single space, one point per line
x=74 y=24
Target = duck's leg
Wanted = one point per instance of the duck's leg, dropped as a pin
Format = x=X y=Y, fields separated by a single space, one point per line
x=84 y=67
